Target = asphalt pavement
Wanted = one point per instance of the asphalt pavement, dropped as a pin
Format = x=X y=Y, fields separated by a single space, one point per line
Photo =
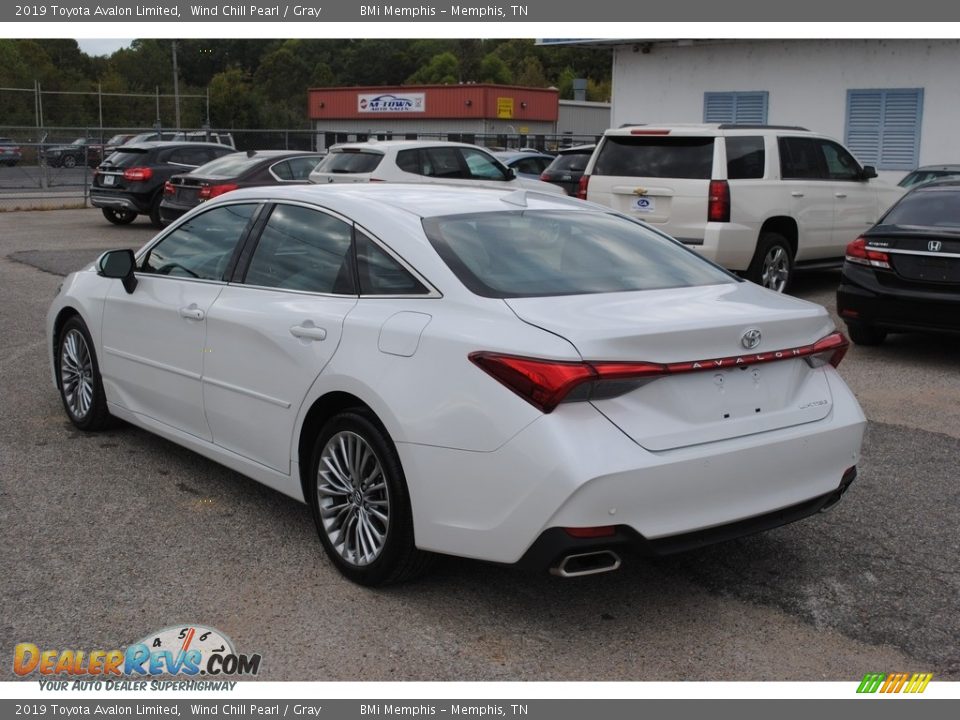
x=110 y=536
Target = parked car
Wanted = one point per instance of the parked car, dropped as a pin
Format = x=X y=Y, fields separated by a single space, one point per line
x=498 y=374
x=116 y=141
x=567 y=167
x=10 y=153
x=130 y=182
x=927 y=173
x=903 y=274
x=419 y=161
x=230 y=172
x=762 y=200
x=82 y=151
x=526 y=163
x=219 y=138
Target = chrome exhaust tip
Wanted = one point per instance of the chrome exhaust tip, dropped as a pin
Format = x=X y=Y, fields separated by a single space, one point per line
x=591 y=563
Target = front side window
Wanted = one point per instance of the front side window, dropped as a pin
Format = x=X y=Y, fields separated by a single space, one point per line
x=840 y=163
x=536 y=253
x=201 y=247
x=482 y=166
x=303 y=249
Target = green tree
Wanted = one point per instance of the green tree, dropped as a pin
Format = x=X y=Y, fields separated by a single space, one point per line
x=443 y=69
x=233 y=104
x=494 y=70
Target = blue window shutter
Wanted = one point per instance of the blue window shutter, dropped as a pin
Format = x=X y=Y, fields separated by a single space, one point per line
x=735 y=107
x=883 y=127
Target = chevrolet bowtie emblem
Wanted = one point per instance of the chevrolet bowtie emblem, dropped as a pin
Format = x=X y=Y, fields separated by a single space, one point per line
x=640 y=191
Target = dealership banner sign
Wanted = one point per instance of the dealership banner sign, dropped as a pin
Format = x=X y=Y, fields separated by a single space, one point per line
x=392 y=103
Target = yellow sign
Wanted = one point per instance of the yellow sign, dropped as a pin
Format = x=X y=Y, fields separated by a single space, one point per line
x=504 y=108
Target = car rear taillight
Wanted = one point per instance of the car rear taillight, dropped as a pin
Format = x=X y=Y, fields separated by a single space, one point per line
x=168 y=188
x=582 y=187
x=211 y=191
x=544 y=177
x=137 y=174
x=718 y=203
x=860 y=254
x=547 y=383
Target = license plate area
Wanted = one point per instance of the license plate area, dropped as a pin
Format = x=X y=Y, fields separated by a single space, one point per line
x=109 y=180
x=644 y=205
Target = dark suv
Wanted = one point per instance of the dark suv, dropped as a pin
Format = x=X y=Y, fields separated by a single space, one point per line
x=130 y=181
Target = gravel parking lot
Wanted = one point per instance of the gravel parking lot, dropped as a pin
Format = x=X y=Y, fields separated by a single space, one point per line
x=111 y=536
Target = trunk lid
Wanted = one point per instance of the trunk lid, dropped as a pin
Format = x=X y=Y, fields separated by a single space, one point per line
x=737 y=398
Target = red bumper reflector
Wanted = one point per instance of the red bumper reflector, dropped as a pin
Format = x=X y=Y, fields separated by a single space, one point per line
x=591 y=532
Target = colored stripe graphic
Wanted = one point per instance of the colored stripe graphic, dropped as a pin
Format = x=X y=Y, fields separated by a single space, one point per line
x=894 y=683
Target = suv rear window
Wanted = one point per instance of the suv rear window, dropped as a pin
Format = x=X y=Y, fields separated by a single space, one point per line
x=572 y=162
x=656 y=156
x=349 y=162
x=538 y=253
x=128 y=157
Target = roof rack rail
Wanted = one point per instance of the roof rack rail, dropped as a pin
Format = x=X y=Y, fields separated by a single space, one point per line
x=755 y=126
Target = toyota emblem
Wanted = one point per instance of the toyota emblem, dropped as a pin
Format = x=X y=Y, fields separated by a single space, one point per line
x=750 y=339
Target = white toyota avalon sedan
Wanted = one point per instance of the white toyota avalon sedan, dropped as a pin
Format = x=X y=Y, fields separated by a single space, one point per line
x=505 y=375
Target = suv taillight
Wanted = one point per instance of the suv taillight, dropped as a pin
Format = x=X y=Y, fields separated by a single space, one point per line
x=137 y=174
x=212 y=191
x=718 y=202
x=582 y=187
x=859 y=253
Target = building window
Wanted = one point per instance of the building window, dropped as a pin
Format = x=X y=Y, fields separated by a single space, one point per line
x=743 y=108
x=883 y=127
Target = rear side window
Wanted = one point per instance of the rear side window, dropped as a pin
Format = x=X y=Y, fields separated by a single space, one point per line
x=745 y=158
x=538 y=253
x=380 y=274
x=350 y=162
x=801 y=159
x=656 y=156
x=303 y=249
x=927 y=208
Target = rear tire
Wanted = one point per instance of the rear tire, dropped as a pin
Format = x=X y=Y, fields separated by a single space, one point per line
x=69 y=161
x=119 y=216
x=772 y=264
x=867 y=335
x=360 y=502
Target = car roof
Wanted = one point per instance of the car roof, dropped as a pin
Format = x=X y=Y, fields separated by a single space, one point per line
x=718 y=129
x=945 y=168
x=385 y=145
x=422 y=200
x=150 y=144
x=516 y=154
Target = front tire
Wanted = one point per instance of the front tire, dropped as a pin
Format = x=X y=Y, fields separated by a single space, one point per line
x=360 y=502
x=69 y=161
x=867 y=335
x=772 y=264
x=78 y=377
x=119 y=216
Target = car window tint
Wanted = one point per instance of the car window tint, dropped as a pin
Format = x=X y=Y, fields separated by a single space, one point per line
x=202 y=246
x=300 y=168
x=282 y=170
x=128 y=158
x=303 y=249
x=572 y=162
x=190 y=156
x=745 y=157
x=380 y=274
x=482 y=166
x=840 y=163
x=531 y=166
x=409 y=161
x=350 y=162
x=228 y=166
x=538 y=253
x=801 y=159
x=656 y=156
x=932 y=207
x=441 y=163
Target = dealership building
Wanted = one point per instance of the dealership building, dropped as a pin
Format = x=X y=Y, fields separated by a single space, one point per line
x=468 y=113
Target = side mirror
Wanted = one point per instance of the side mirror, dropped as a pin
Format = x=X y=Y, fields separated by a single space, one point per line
x=119 y=264
x=869 y=171
x=511 y=174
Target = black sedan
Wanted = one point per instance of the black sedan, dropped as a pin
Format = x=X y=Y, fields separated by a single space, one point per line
x=903 y=274
x=237 y=170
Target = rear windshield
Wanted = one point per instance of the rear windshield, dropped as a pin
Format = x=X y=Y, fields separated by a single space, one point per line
x=349 y=162
x=656 y=156
x=927 y=208
x=570 y=162
x=127 y=158
x=228 y=166
x=536 y=253
x=922 y=176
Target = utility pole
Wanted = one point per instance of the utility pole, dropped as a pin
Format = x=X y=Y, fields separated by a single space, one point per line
x=176 y=87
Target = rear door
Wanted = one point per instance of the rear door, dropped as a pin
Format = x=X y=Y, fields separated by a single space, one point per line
x=661 y=179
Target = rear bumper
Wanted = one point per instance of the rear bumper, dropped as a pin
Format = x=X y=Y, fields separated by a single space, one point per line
x=573 y=468
x=119 y=202
x=862 y=299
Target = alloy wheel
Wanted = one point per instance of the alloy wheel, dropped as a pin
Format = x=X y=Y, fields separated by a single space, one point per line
x=76 y=374
x=776 y=269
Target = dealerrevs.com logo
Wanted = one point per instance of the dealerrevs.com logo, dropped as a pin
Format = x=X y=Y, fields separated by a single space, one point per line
x=180 y=650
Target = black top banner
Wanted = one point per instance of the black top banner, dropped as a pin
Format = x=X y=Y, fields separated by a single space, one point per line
x=539 y=11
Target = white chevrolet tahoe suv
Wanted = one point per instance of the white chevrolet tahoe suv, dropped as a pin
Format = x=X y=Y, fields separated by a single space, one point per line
x=762 y=200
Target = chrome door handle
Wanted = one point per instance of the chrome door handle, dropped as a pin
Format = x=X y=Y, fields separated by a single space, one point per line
x=308 y=331
x=192 y=312
x=796 y=193
x=840 y=195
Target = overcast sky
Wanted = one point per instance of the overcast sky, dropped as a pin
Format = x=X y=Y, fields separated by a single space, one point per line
x=102 y=46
